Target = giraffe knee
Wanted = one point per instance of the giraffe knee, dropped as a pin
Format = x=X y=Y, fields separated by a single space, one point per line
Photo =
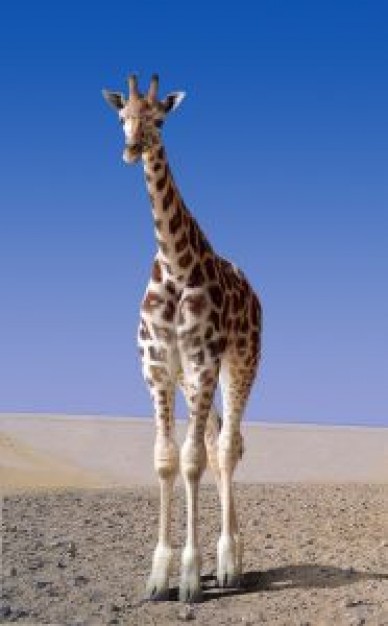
x=193 y=458
x=166 y=458
x=230 y=448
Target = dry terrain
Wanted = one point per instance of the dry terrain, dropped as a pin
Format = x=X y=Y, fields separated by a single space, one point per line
x=314 y=554
x=80 y=513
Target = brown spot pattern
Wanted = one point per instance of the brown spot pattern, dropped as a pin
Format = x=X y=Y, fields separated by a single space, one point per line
x=196 y=304
x=216 y=295
x=162 y=332
x=169 y=311
x=144 y=332
x=152 y=301
x=157 y=272
x=210 y=268
x=157 y=354
x=176 y=221
x=181 y=244
x=161 y=183
x=214 y=318
x=168 y=198
x=186 y=259
x=196 y=278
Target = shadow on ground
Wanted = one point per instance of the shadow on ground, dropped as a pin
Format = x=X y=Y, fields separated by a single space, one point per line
x=294 y=576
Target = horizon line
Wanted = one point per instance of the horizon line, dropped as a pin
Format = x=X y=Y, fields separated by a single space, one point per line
x=180 y=420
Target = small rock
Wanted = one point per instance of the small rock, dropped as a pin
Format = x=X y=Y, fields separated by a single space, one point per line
x=5 y=610
x=38 y=564
x=19 y=613
x=96 y=596
x=80 y=580
x=186 y=614
x=13 y=571
x=61 y=564
x=42 y=584
x=71 y=549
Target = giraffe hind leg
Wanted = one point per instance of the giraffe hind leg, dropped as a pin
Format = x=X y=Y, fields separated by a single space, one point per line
x=236 y=382
x=213 y=429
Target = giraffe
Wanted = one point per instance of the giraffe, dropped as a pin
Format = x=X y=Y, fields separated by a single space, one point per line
x=200 y=325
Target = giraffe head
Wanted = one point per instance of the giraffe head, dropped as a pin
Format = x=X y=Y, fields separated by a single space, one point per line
x=142 y=116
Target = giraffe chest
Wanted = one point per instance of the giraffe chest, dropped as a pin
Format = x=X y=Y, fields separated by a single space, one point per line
x=157 y=336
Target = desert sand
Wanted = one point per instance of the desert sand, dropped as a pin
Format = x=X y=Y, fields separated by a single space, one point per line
x=79 y=522
x=84 y=451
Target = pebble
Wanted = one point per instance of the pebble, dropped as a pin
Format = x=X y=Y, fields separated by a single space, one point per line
x=36 y=565
x=71 y=549
x=5 y=610
x=19 y=613
x=42 y=584
x=186 y=614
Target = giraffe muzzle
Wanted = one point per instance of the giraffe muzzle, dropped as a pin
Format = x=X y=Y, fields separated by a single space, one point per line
x=132 y=153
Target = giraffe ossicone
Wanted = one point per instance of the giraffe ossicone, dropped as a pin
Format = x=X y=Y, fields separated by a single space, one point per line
x=200 y=325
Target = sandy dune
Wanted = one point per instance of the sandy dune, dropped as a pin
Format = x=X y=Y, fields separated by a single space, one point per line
x=85 y=451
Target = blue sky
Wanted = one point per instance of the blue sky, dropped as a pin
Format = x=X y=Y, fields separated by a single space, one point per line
x=280 y=150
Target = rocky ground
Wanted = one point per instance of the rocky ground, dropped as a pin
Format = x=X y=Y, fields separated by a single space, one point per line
x=314 y=555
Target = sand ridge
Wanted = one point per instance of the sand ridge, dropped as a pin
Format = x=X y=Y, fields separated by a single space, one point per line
x=45 y=450
x=22 y=466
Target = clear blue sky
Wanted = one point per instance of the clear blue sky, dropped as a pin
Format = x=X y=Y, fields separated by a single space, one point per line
x=280 y=150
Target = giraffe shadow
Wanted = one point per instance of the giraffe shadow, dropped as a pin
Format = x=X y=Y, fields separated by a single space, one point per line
x=302 y=576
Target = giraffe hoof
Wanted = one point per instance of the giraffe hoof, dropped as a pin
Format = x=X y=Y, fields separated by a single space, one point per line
x=189 y=594
x=228 y=580
x=157 y=595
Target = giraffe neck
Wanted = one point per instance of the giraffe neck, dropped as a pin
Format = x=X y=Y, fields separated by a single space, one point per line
x=181 y=243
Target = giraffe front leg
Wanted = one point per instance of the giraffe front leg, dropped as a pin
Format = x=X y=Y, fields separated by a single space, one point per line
x=166 y=461
x=193 y=462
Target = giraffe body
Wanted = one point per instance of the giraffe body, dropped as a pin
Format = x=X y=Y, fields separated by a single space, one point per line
x=200 y=324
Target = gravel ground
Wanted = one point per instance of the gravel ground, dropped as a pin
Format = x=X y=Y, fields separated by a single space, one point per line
x=314 y=555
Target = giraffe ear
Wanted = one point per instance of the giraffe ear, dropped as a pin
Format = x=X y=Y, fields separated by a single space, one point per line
x=114 y=98
x=172 y=101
